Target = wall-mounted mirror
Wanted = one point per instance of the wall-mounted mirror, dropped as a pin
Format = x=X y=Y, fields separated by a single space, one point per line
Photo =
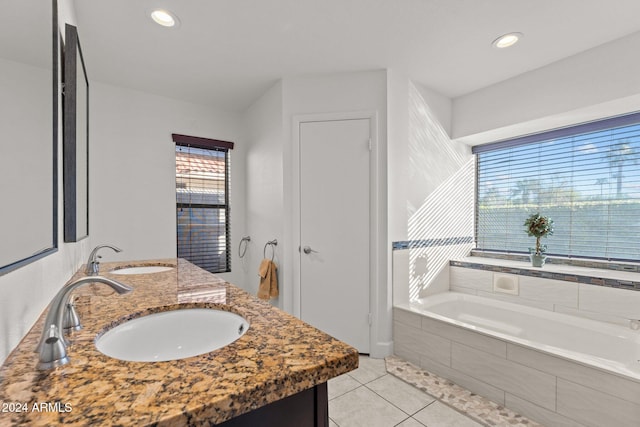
x=76 y=140
x=28 y=128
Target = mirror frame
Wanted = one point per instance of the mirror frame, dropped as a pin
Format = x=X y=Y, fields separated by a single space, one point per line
x=73 y=54
x=54 y=126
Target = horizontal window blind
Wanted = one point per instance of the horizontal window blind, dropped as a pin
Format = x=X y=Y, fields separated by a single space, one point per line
x=587 y=181
x=202 y=205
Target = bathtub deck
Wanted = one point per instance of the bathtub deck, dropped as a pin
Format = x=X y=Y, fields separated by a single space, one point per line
x=543 y=387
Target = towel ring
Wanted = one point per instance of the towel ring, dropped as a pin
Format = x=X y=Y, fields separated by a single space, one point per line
x=271 y=243
x=242 y=251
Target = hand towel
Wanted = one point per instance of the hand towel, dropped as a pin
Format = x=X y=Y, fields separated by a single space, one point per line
x=268 y=273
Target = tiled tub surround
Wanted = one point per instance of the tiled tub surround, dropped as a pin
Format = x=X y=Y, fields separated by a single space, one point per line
x=612 y=275
x=473 y=348
x=609 y=347
x=605 y=294
x=599 y=264
x=277 y=357
x=599 y=294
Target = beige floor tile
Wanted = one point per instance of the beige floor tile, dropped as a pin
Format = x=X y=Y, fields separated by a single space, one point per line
x=369 y=369
x=403 y=395
x=332 y=424
x=340 y=385
x=440 y=415
x=410 y=422
x=364 y=408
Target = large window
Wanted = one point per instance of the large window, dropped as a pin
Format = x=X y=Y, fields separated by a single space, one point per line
x=202 y=202
x=586 y=178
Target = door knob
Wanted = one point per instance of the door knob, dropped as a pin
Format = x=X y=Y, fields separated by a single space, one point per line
x=307 y=250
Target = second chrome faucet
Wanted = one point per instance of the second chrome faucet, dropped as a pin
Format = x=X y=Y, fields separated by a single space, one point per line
x=93 y=265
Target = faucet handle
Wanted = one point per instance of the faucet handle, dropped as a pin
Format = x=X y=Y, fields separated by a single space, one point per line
x=71 y=318
x=53 y=351
x=96 y=264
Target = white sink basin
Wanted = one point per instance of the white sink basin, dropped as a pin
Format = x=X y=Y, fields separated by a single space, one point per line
x=141 y=270
x=172 y=335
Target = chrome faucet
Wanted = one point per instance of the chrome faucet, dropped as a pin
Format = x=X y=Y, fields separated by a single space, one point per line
x=52 y=346
x=93 y=265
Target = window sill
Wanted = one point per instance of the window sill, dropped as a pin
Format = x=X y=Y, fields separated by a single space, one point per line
x=615 y=277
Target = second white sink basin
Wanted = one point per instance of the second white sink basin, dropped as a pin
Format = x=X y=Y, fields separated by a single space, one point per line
x=141 y=270
x=172 y=335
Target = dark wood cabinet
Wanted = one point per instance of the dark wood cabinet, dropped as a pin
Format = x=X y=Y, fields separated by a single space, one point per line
x=309 y=408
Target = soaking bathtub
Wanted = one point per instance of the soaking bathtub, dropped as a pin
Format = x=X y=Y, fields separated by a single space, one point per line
x=555 y=368
x=607 y=346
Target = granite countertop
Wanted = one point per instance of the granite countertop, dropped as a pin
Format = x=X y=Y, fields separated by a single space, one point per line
x=277 y=357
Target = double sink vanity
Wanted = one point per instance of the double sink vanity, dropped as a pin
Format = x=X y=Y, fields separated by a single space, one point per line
x=141 y=357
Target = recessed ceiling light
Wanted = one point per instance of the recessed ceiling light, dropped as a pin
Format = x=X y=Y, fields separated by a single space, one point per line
x=507 y=40
x=164 y=18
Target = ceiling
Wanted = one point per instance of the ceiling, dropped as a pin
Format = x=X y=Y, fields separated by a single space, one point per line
x=226 y=53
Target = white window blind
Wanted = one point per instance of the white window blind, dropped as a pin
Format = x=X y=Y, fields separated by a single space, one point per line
x=586 y=178
x=202 y=206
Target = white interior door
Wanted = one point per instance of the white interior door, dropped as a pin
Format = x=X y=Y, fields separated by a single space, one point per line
x=334 y=228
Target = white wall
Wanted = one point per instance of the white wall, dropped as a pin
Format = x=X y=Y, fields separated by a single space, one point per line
x=600 y=82
x=132 y=170
x=397 y=155
x=25 y=293
x=335 y=93
x=269 y=130
x=264 y=185
x=270 y=164
x=410 y=107
x=430 y=187
x=132 y=201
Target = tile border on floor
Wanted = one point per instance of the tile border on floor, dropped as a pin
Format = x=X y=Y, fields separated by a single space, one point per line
x=478 y=408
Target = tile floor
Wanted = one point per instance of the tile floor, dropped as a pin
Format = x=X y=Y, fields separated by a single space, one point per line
x=371 y=397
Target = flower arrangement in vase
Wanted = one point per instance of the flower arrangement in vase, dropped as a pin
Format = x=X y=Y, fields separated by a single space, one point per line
x=538 y=226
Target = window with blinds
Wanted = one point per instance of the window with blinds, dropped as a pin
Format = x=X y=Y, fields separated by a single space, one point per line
x=202 y=202
x=586 y=178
